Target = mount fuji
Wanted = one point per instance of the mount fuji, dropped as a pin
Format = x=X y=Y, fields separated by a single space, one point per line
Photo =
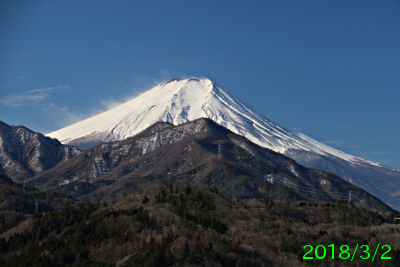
x=181 y=100
x=178 y=101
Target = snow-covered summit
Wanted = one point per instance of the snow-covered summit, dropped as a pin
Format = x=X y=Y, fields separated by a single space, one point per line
x=181 y=100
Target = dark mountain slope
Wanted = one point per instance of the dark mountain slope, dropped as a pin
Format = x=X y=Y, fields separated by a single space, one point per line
x=24 y=153
x=377 y=179
x=200 y=150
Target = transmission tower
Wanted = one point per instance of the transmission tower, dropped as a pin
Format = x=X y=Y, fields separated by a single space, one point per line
x=37 y=205
x=220 y=143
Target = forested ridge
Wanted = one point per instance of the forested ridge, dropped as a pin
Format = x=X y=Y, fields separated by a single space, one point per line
x=193 y=224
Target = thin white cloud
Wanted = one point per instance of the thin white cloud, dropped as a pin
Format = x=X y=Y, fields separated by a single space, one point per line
x=111 y=103
x=31 y=97
x=61 y=87
x=23 y=99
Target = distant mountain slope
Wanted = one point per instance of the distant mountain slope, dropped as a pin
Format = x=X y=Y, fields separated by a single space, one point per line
x=180 y=100
x=24 y=153
x=190 y=151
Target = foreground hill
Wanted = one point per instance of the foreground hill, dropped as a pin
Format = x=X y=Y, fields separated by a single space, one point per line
x=25 y=153
x=18 y=203
x=200 y=150
x=192 y=224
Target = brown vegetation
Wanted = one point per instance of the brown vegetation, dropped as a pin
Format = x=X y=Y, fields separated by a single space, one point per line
x=192 y=224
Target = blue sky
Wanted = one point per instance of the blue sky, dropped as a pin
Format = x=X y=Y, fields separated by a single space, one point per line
x=330 y=69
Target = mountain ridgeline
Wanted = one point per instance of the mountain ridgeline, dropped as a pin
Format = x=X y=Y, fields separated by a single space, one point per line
x=181 y=100
x=192 y=194
x=187 y=175
x=25 y=153
x=199 y=150
x=192 y=224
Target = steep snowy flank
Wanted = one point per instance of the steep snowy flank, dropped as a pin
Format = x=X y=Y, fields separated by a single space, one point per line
x=178 y=101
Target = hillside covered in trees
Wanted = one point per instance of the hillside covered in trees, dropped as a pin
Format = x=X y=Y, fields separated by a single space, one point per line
x=18 y=202
x=192 y=224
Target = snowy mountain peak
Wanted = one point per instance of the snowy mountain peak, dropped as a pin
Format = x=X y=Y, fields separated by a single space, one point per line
x=181 y=100
x=175 y=101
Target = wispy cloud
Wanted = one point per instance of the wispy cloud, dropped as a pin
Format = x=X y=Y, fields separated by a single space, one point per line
x=48 y=89
x=32 y=97
x=110 y=103
x=24 y=99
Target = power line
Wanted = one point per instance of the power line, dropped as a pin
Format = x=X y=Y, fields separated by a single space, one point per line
x=304 y=190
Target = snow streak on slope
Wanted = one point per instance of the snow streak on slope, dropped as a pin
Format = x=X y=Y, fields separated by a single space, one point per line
x=181 y=100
